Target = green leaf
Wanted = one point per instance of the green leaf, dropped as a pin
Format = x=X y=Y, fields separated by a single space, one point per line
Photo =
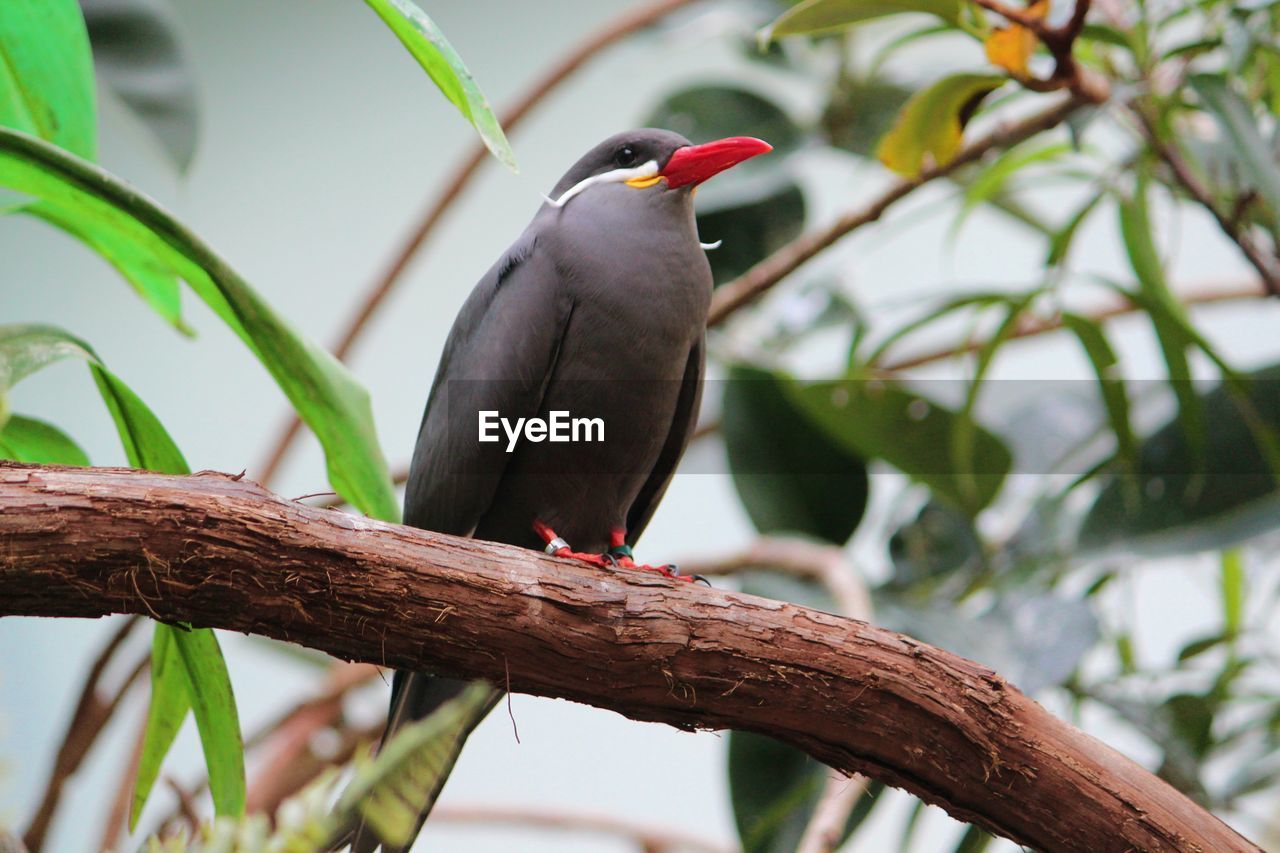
x=1233 y=591
x=790 y=476
x=404 y=780
x=880 y=420
x=27 y=348
x=424 y=41
x=214 y=707
x=1168 y=319
x=1237 y=122
x=1190 y=505
x=928 y=131
x=153 y=280
x=170 y=701
x=46 y=73
x=1062 y=239
x=989 y=183
x=322 y=391
x=813 y=17
x=139 y=56
x=751 y=232
x=29 y=440
x=939 y=542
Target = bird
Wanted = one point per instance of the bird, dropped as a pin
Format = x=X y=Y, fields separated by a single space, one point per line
x=599 y=310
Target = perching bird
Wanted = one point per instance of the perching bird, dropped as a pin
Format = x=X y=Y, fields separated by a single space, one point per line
x=598 y=310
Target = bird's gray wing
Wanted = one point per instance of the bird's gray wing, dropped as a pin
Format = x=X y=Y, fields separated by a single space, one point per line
x=682 y=426
x=499 y=357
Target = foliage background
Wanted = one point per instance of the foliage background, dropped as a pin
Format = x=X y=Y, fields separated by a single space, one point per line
x=320 y=140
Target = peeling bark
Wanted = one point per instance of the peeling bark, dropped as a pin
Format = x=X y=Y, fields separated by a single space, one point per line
x=226 y=553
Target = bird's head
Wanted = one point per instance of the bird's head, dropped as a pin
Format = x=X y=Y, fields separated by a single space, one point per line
x=653 y=160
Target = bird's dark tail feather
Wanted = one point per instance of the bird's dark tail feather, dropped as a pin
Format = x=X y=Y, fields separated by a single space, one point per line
x=414 y=696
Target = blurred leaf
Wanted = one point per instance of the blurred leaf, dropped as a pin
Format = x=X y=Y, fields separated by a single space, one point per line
x=860 y=111
x=1110 y=383
x=138 y=55
x=878 y=420
x=46 y=74
x=140 y=266
x=929 y=130
x=1200 y=646
x=987 y=184
x=170 y=701
x=322 y=391
x=789 y=475
x=1135 y=228
x=1233 y=591
x=403 y=780
x=1062 y=239
x=939 y=541
x=1034 y=639
x=1188 y=506
x=707 y=112
x=751 y=232
x=774 y=788
x=1011 y=47
x=813 y=17
x=424 y=41
x=29 y=440
x=1190 y=718
x=214 y=707
x=1255 y=157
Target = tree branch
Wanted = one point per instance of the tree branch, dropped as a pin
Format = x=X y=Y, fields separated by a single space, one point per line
x=211 y=550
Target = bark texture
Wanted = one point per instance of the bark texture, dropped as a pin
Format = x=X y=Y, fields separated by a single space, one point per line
x=226 y=553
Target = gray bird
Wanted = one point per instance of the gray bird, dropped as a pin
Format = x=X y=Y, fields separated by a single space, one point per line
x=599 y=311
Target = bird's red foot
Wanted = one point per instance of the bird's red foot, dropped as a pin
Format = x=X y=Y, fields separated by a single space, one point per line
x=557 y=547
x=620 y=552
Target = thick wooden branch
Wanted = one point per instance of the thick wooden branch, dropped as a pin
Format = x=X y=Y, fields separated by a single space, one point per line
x=219 y=552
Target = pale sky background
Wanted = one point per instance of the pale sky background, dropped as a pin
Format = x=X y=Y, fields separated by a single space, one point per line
x=320 y=141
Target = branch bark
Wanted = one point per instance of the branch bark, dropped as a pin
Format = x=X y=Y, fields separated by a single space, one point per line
x=215 y=551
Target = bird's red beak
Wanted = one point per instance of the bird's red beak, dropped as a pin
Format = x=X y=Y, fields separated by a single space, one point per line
x=693 y=164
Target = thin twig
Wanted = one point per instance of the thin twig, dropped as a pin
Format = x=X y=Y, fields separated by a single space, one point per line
x=593 y=45
x=1261 y=260
x=87 y=721
x=118 y=817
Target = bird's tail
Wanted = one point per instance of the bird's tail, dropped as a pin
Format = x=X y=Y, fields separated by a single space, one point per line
x=413 y=697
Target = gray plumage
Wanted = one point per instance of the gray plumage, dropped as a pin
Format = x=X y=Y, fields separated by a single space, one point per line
x=599 y=307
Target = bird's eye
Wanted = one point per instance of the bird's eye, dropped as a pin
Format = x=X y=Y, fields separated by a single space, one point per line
x=626 y=157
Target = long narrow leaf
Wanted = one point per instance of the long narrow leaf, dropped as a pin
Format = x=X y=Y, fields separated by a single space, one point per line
x=323 y=392
x=30 y=440
x=424 y=41
x=1238 y=125
x=214 y=707
x=170 y=701
x=1110 y=384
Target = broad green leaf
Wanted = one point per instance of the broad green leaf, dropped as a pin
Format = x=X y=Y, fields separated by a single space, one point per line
x=790 y=476
x=938 y=542
x=323 y=392
x=1227 y=497
x=860 y=110
x=170 y=701
x=814 y=17
x=881 y=420
x=424 y=41
x=139 y=56
x=1238 y=125
x=707 y=112
x=929 y=130
x=214 y=707
x=750 y=232
x=29 y=440
x=46 y=73
x=154 y=281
